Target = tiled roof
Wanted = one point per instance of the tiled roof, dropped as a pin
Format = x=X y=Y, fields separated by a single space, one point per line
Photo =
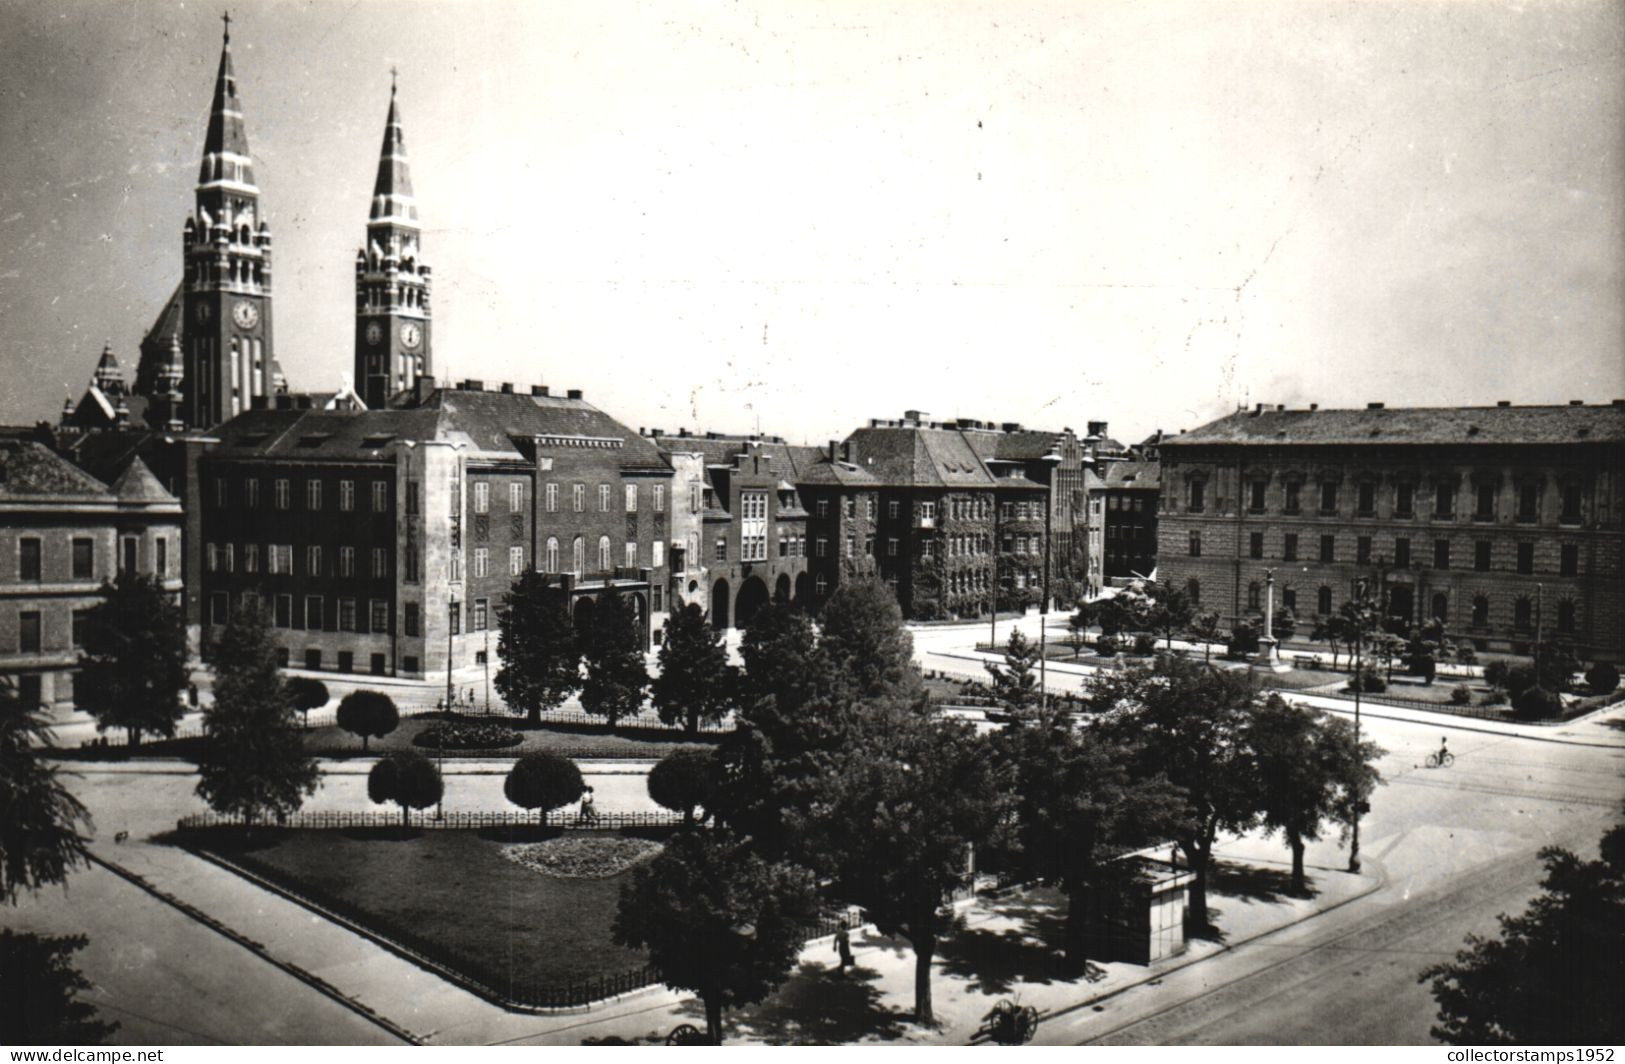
x=1416 y=425
x=1147 y=475
x=30 y=470
x=918 y=457
x=490 y=419
x=137 y=484
x=722 y=450
x=316 y=434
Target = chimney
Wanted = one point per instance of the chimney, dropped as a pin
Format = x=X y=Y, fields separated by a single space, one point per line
x=1373 y=406
x=1011 y=426
x=1503 y=403
x=911 y=415
x=834 y=449
x=1097 y=428
x=1577 y=402
x=507 y=388
x=473 y=386
x=1619 y=402
x=573 y=393
x=538 y=389
x=1314 y=406
x=682 y=433
x=846 y=450
x=1280 y=407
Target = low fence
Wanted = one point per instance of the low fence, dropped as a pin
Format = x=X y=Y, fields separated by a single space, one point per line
x=330 y=820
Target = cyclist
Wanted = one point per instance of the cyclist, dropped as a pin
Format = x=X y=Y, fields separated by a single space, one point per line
x=1444 y=751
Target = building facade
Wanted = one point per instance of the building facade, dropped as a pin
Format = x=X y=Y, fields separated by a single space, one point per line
x=63 y=534
x=1505 y=522
x=1131 y=494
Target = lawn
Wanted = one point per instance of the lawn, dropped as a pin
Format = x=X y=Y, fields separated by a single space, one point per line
x=450 y=895
x=570 y=740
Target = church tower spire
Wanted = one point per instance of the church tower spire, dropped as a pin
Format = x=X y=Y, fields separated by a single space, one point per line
x=227 y=283
x=391 y=283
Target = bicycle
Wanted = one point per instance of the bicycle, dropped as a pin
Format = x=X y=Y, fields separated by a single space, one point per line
x=1440 y=760
x=1010 y=1024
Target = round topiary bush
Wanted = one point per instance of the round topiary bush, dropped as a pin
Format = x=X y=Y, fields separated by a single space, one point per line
x=1145 y=644
x=543 y=781
x=682 y=780
x=1106 y=646
x=1461 y=694
x=369 y=714
x=467 y=735
x=1602 y=678
x=1536 y=703
x=408 y=779
x=1369 y=681
x=1519 y=679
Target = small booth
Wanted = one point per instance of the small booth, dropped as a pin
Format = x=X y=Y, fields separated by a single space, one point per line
x=1145 y=922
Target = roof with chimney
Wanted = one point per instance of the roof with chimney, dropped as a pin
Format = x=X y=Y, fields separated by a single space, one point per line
x=1146 y=476
x=1430 y=426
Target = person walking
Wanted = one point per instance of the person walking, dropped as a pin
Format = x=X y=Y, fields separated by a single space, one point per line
x=843 y=946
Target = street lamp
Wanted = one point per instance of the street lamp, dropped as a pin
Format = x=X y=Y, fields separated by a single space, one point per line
x=440 y=745
x=1051 y=460
x=1361 y=608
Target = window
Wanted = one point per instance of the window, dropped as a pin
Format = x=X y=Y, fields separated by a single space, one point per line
x=313 y=657
x=454 y=616
x=1289 y=598
x=1571 y=505
x=1292 y=491
x=516 y=560
x=251 y=493
x=550 y=557
x=1441 y=606
x=282 y=614
x=1328 y=548
x=722 y=549
x=412 y=570
x=1568 y=560
x=551 y=494
x=603 y=554
x=380 y=563
x=1323 y=601
x=1254 y=595
x=346 y=495
x=454 y=565
x=1255 y=545
x=411 y=626
x=482 y=497
x=1404 y=499
x=281 y=559
x=346 y=561
x=631 y=498
x=603 y=498
x=161 y=567
x=251 y=556
x=1197 y=496
x=1289 y=547
x=347 y=615
x=1193 y=592
x=1565 y=616
x=1194 y=544
x=1528 y=502
x=379 y=619
x=477 y=616
x=1402 y=552
x=658 y=501
x=279 y=493
x=578 y=496
x=753 y=526
x=313 y=494
x=631 y=555
x=1255 y=496
x=870 y=505
x=313 y=561
x=28 y=558
x=128 y=546
x=821 y=585
x=1523 y=613
x=221 y=492
x=1367 y=499
x=848 y=546
x=822 y=507
x=657 y=555
x=821 y=547
x=211 y=557
x=28 y=632
x=482 y=561
x=578 y=555
x=313 y=612
x=380 y=496
x=1481 y=612
x=1328 y=497
x=1444 y=500
x=891 y=509
x=1526 y=558
x=1362 y=550
x=1486 y=503
x=76 y=628
x=850 y=505
x=1481 y=555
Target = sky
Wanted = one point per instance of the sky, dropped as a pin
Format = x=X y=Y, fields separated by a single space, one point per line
x=790 y=217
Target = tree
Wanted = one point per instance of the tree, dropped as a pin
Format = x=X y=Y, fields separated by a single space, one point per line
x=41 y=1005
x=40 y=822
x=1076 y=806
x=543 y=781
x=613 y=649
x=683 y=779
x=1077 y=634
x=1284 y=624
x=1170 y=610
x=368 y=714
x=1310 y=772
x=717 y=920
x=253 y=763
x=1330 y=630
x=784 y=668
x=695 y=681
x=1191 y=723
x=406 y=778
x=133 y=667
x=1602 y=678
x=1015 y=683
x=898 y=810
x=1555 y=665
x=1205 y=628
x=541 y=658
x=870 y=653
x=1553 y=975
x=306 y=693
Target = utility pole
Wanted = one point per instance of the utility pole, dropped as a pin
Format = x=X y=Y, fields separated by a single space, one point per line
x=1051 y=460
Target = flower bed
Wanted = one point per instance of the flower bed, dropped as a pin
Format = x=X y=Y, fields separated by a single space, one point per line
x=467 y=735
x=583 y=857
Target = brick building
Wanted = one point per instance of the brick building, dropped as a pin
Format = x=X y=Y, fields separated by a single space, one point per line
x=63 y=533
x=1130 y=495
x=948 y=514
x=745 y=533
x=1505 y=521
x=379 y=538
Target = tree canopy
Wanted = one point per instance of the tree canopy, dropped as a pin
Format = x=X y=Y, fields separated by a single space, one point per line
x=1015 y=683
x=368 y=714
x=41 y=1004
x=683 y=779
x=133 y=666
x=306 y=693
x=617 y=676
x=870 y=652
x=543 y=781
x=695 y=682
x=541 y=658
x=43 y=828
x=406 y=778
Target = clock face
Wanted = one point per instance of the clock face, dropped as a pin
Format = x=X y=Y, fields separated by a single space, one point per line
x=202 y=312
x=411 y=335
x=245 y=314
x=375 y=333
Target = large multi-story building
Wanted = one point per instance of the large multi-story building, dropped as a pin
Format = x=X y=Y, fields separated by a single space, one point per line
x=1130 y=495
x=63 y=533
x=1506 y=522
x=951 y=515
x=383 y=541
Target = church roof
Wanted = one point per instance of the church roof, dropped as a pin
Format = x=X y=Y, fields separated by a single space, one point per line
x=155 y=346
x=1430 y=426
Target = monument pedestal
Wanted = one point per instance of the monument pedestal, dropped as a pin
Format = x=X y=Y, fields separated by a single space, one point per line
x=1269 y=658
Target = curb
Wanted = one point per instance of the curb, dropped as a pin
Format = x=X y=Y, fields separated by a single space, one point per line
x=1445 y=720
x=310 y=979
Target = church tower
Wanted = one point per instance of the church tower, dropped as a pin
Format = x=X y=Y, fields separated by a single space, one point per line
x=391 y=283
x=226 y=326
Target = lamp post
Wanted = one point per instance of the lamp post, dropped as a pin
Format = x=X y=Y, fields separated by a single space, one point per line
x=1051 y=460
x=440 y=745
x=1360 y=619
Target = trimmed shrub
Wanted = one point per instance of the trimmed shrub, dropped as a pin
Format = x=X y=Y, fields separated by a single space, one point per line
x=408 y=779
x=543 y=781
x=1370 y=681
x=682 y=780
x=306 y=693
x=1520 y=679
x=1536 y=703
x=1496 y=696
x=1106 y=646
x=1602 y=678
x=1461 y=694
x=1495 y=673
x=368 y=714
x=1145 y=644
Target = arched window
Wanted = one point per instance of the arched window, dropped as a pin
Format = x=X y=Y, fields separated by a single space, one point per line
x=1481 y=612
x=1441 y=606
x=578 y=556
x=1323 y=601
x=1565 y=616
x=1193 y=591
x=603 y=553
x=1523 y=612
x=551 y=565
x=1254 y=596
